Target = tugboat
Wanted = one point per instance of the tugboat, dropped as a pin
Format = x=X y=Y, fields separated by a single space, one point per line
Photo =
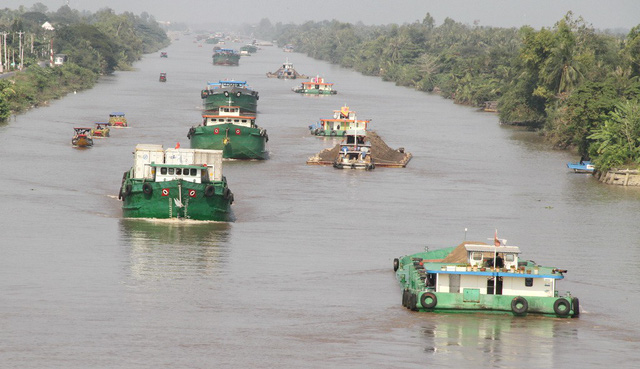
x=287 y=71
x=236 y=93
x=475 y=276
x=117 y=119
x=226 y=57
x=81 y=137
x=583 y=166
x=100 y=130
x=343 y=120
x=163 y=77
x=236 y=135
x=176 y=184
x=317 y=86
x=355 y=152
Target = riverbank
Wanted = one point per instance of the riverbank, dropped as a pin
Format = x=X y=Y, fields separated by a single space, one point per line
x=620 y=177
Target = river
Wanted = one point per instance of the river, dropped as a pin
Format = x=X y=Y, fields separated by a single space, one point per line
x=303 y=277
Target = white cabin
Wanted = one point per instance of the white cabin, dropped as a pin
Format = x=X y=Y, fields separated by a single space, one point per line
x=229 y=115
x=154 y=163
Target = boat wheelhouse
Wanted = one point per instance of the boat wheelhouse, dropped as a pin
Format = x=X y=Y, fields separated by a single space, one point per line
x=237 y=135
x=342 y=121
x=286 y=71
x=226 y=57
x=317 y=86
x=175 y=183
x=230 y=92
x=355 y=152
x=81 y=137
x=118 y=120
x=476 y=276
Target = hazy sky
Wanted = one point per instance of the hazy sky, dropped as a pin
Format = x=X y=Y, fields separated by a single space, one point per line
x=602 y=14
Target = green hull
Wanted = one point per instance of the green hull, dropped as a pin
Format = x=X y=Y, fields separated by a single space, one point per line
x=246 y=102
x=329 y=133
x=226 y=59
x=315 y=91
x=198 y=206
x=248 y=144
x=414 y=271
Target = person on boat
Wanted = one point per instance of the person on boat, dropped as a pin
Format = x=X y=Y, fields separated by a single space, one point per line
x=499 y=262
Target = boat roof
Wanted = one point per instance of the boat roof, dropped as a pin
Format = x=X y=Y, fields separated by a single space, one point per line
x=193 y=166
x=230 y=82
x=225 y=50
x=117 y=113
x=230 y=116
x=356 y=132
x=491 y=248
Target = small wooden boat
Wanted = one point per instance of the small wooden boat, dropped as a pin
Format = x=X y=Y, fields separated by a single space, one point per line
x=117 y=119
x=584 y=166
x=100 y=130
x=163 y=77
x=82 y=137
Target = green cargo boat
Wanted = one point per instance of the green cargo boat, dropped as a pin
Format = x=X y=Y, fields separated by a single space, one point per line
x=317 y=86
x=176 y=183
x=475 y=276
x=224 y=93
x=226 y=57
x=236 y=135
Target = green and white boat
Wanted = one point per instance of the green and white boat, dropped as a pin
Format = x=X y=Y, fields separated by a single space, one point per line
x=224 y=93
x=226 y=57
x=317 y=86
x=343 y=120
x=176 y=184
x=235 y=134
x=475 y=276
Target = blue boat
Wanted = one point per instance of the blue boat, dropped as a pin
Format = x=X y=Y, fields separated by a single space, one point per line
x=584 y=166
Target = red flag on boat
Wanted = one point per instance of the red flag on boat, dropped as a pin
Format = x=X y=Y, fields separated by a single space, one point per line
x=178 y=145
x=496 y=241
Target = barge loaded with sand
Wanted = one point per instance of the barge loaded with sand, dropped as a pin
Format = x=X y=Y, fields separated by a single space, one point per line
x=381 y=154
x=475 y=276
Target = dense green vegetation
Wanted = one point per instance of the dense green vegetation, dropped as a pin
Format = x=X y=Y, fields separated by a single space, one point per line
x=95 y=44
x=578 y=86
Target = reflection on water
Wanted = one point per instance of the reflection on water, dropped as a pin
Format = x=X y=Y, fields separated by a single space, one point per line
x=500 y=340
x=174 y=249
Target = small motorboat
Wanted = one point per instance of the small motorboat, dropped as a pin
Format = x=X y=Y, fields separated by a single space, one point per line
x=82 y=137
x=163 y=77
x=583 y=166
x=100 y=130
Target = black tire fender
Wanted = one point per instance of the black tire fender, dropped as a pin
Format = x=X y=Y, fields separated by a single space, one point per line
x=209 y=191
x=519 y=305
x=127 y=190
x=396 y=264
x=576 y=307
x=147 y=189
x=226 y=93
x=424 y=300
x=413 y=302
x=562 y=307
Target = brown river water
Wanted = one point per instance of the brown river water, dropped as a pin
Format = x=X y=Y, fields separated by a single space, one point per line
x=303 y=278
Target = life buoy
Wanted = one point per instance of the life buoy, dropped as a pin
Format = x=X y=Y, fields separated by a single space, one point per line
x=562 y=307
x=396 y=264
x=147 y=189
x=226 y=93
x=428 y=300
x=238 y=131
x=238 y=94
x=209 y=191
x=576 y=307
x=519 y=305
x=216 y=131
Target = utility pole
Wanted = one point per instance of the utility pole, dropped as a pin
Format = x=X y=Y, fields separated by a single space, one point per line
x=21 y=50
x=3 y=58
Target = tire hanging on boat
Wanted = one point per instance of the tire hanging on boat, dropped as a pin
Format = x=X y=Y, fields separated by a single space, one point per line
x=147 y=189
x=576 y=307
x=226 y=93
x=519 y=305
x=238 y=94
x=561 y=307
x=425 y=303
x=396 y=264
x=127 y=191
x=209 y=191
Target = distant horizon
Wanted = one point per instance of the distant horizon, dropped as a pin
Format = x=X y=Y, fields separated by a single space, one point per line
x=612 y=15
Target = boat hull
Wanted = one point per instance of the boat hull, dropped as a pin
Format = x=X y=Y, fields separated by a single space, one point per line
x=241 y=142
x=176 y=199
x=226 y=59
x=314 y=91
x=82 y=141
x=247 y=101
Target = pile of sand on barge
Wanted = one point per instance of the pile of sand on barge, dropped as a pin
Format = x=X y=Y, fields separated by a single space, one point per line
x=382 y=155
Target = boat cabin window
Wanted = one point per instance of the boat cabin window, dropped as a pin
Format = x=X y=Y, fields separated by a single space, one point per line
x=163 y=170
x=171 y=171
x=509 y=258
x=476 y=256
x=178 y=171
x=528 y=282
x=193 y=172
x=236 y=120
